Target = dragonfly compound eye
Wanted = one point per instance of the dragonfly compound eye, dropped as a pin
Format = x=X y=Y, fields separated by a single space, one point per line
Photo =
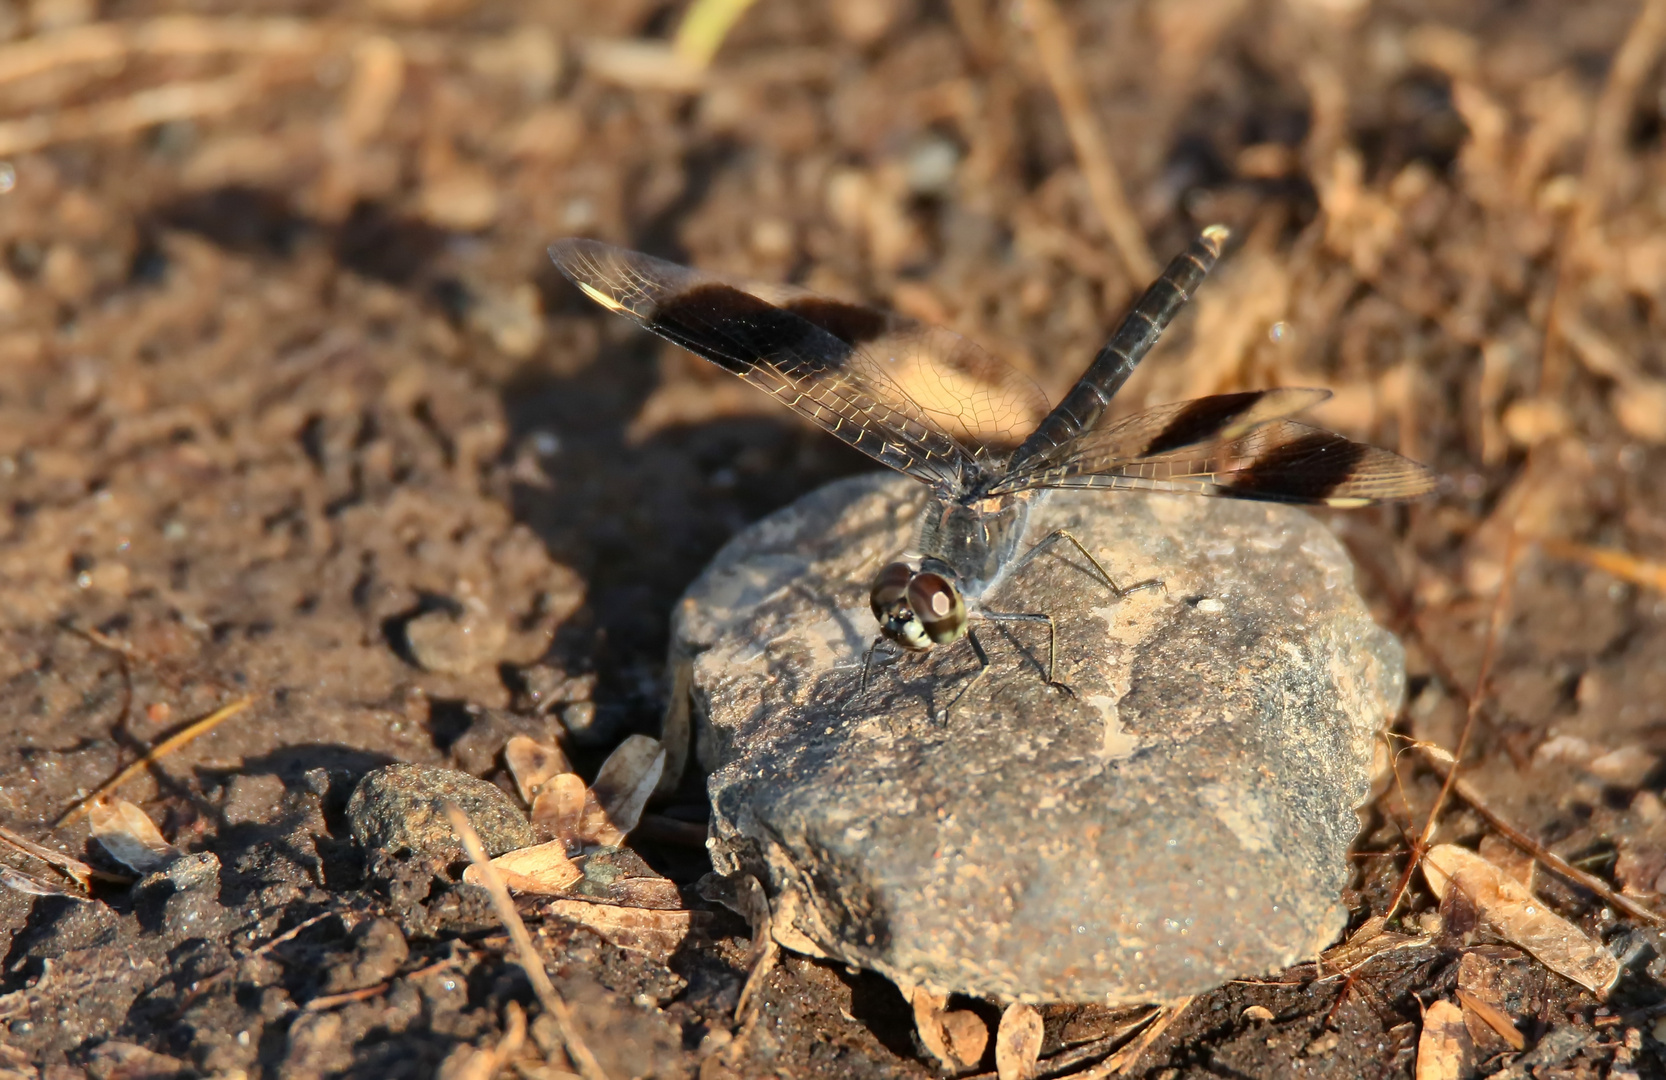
x=890 y=588
x=937 y=604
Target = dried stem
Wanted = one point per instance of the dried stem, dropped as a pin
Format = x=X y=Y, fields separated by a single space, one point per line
x=156 y=754
x=1603 y=150
x=524 y=952
x=1500 y=606
x=1058 y=61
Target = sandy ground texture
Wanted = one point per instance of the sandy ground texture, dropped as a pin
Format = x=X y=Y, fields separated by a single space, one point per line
x=293 y=408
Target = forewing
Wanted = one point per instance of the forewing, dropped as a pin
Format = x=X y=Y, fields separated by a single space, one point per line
x=1275 y=460
x=960 y=386
x=814 y=355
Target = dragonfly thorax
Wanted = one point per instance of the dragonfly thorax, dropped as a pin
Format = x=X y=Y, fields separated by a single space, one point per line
x=918 y=607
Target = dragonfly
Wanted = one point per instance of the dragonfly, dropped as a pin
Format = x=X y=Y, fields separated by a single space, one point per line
x=981 y=436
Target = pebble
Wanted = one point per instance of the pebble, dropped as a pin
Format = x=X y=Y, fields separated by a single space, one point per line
x=454 y=645
x=401 y=809
x=1182 y=818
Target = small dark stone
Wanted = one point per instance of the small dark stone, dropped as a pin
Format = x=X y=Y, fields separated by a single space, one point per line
x=378 y=951
x=199 y=871
x=1180 y=817
x=400 y=809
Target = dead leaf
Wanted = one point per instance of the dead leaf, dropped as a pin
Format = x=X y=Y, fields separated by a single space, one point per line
x=621 y=790
x=130 y=837
x=655 y=933
x=1443 y=1050
x=1507 y=857
x=676 y=733
x=1018 y=1043
x=956 y=1037
x=533 y=764
x=542 y=869
x=1519 y=917
x=558 y=809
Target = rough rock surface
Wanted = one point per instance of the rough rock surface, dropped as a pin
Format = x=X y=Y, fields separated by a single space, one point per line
x=401 y=808
x=1180 y=819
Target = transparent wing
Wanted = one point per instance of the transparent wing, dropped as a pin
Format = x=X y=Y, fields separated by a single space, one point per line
x=918 y=399
x=1234 y=446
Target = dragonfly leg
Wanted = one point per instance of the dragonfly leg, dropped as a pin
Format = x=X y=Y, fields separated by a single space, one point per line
x=1121 y=592
x=983 y=669
x=1052 y=640
x=867 y=666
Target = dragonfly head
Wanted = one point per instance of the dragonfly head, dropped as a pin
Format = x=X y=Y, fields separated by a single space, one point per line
x=917 y=608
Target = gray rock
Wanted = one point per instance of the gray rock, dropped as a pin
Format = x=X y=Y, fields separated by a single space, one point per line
x=1182 y=818
x=401 y=808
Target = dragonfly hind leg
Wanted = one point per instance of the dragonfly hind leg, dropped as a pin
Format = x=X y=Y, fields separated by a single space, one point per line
x=1121 y=592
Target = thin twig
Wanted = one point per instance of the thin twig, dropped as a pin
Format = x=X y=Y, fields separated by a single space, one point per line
x=202 y=988
x=1551 y=861
x=1607 y=141
x=524 y=952
x=1058 y=61
x=156 y=754
x=1500 y=606
x=1626 y=567
x=292 y=933
x=330 y=1001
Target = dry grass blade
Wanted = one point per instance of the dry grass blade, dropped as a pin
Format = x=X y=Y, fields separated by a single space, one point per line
x=74 y=869
x=169 y=35
x=1494 y=1017
x=751 y=904
x=524 y=952
x=29 y=885
x=145 y=108
x=1053 y=41
x=1126 y=1057
x=703 y=29
x=155 y=754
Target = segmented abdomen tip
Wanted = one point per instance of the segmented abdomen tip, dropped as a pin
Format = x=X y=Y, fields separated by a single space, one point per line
x=1215 y=236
